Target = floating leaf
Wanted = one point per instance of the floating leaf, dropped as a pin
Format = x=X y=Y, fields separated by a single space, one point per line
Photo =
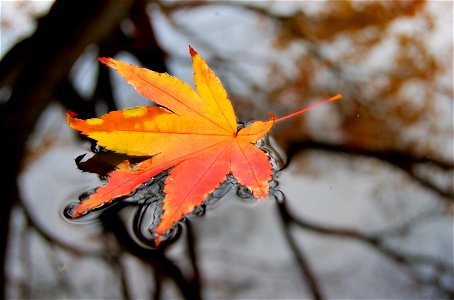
x=194 y=134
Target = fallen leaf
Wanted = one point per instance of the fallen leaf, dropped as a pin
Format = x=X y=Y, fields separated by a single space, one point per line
x=194 y=134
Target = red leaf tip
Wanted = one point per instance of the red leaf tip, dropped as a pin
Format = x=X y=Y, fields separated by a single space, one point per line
x=107 y=61
x=192 y=51
x=71 y=114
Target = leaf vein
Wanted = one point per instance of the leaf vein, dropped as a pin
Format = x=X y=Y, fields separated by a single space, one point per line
x=182 y=103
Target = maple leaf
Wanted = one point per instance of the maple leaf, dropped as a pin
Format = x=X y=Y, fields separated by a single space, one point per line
x=194 y=134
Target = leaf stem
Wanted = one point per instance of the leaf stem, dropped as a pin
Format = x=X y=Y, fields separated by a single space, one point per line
x=334 y=98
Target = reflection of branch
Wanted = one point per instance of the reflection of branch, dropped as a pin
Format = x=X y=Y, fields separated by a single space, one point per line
x=406 y=225
x=406 y=161
x=158 y=285
x=52 y=240
x=308 y=274
x=34 y=70
x=31 y=229
x=163 y=266
x=410 y=261
x=191 y=244
x=118 y=266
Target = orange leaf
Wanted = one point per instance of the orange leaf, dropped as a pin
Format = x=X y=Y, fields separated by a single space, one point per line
x=195 y=134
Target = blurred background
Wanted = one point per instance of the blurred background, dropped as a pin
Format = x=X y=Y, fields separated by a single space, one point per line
x=365 y=208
